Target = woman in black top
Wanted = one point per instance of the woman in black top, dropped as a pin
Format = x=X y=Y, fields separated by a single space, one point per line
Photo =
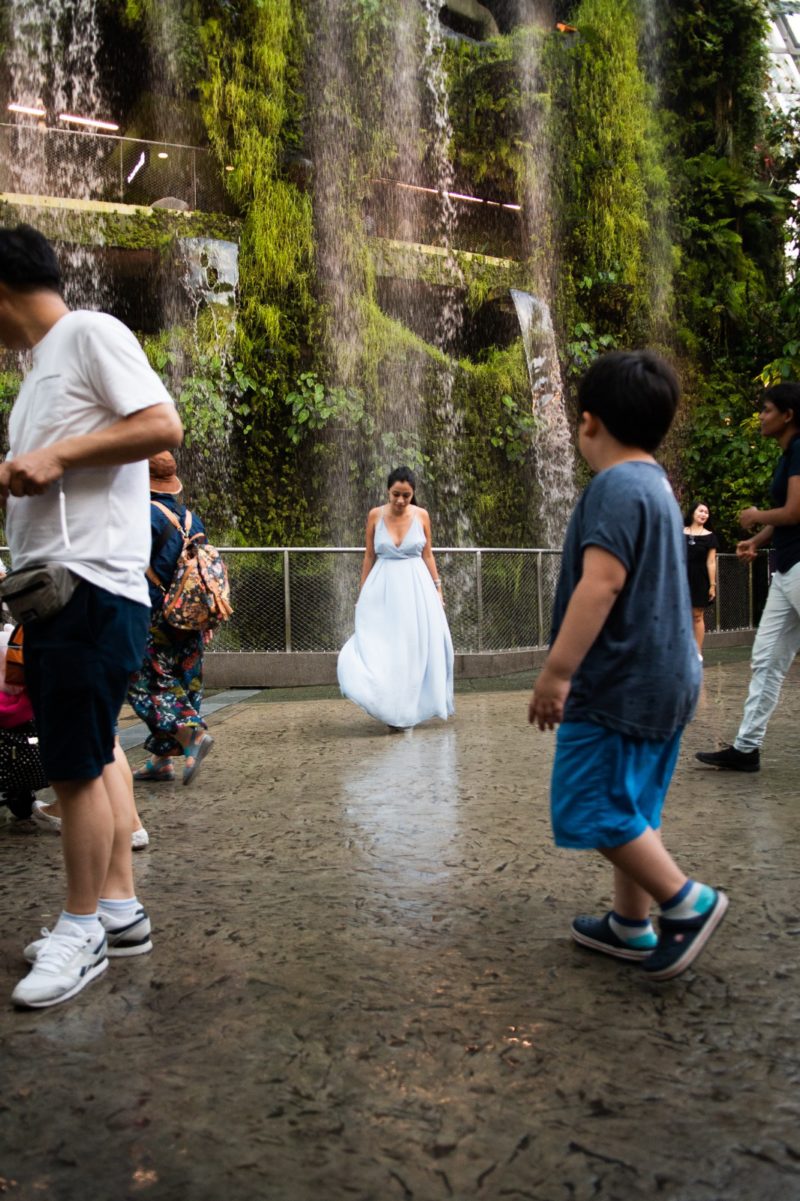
x=701 y=562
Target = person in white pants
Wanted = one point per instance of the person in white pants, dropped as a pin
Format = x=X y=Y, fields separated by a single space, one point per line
x=778 y=638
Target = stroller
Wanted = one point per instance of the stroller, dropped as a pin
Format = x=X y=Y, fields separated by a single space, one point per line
x=21 y=768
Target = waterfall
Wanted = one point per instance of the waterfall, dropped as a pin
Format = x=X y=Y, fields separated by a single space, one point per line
x=552 y=444
x=554 y=459
x=651 y=40
x=52 y=64
x=408 y=395
x=453 y=515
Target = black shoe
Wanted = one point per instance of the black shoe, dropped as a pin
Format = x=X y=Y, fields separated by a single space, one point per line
x=729 y=759
x=596 y=933
x=680 y=942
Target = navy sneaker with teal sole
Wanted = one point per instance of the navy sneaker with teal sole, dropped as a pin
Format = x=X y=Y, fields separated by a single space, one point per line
x=596 y=934
x=680 y=942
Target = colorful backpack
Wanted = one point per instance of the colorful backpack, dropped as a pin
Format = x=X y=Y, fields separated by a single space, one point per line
x=198 y=598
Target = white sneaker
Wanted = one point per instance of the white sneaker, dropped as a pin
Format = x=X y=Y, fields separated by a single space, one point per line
x=131 y=938
x=48 y=821
x=45 y=821
x=66 y=962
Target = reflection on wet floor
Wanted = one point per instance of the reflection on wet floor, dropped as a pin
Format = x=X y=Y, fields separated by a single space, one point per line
x=362 y=984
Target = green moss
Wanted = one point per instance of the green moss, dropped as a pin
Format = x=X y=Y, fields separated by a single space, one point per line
x=124 y=227
x=602 y=126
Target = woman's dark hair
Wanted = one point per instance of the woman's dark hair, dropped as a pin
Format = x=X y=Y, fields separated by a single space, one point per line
x=403 y=475
x=689 y=513
x=28 y=262
x=635 y=394
x=785 y=397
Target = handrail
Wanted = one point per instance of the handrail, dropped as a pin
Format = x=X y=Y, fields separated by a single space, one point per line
x=98 y=133
x=438 y=550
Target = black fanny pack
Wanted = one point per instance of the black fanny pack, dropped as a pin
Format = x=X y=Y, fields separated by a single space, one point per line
x=36 y=593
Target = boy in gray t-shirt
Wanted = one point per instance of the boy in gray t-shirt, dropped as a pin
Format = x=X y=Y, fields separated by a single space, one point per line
x=622 y=676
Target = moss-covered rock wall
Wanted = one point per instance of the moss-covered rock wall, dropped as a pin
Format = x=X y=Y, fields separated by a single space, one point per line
x=623 y=163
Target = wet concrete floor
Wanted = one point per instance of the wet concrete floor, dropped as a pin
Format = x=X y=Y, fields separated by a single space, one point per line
x=363 y=987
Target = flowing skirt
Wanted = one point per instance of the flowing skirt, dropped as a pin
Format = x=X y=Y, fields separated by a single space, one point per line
x=398 y=665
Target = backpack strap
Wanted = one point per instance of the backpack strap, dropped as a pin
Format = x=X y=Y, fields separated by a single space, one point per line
x=163 y=537
x=170 y=516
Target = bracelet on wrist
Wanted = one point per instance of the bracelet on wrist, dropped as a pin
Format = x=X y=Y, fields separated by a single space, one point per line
x=437 y=583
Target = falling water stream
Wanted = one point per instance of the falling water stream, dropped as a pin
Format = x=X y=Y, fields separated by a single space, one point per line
x=552 y=446
x=52 y=63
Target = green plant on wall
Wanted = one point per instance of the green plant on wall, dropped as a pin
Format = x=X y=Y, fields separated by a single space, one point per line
x=727 y=462
x=602 y=125
x=513 y=433
x=314 y=408
x=729 y=218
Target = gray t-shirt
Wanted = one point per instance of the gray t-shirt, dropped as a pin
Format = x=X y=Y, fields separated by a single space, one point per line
x=642 y=675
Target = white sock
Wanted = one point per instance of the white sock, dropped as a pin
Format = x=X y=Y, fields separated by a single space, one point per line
x=638 y=935
x=693 y=900
x=72 y=923
x=119 y=913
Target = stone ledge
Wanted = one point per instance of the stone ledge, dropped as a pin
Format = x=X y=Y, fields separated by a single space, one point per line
x=278 y=669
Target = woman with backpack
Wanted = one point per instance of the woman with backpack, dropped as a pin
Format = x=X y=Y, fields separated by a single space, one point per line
x=167 y=691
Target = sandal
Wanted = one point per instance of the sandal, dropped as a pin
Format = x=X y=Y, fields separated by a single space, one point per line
x=156 y=775
x=194 y=754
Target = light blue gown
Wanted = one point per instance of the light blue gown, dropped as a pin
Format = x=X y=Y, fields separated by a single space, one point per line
x=398 y=665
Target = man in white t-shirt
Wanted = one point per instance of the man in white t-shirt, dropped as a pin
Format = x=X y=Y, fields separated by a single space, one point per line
x=89 y=414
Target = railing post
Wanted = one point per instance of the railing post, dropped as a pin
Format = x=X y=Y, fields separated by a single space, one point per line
x=194 y=180
x=539 y=601
x=287 y=602
x=717 y=596
x=479 y=597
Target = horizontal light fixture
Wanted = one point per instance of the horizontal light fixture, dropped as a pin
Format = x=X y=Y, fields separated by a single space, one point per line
x=463 y=196
x=137 y=168
x=410 y=187
x=71 y=119
x=414 y=187
x=28 y=110
x=163 y=154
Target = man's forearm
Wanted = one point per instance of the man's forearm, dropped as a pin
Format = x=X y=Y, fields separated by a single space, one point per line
x=764 y=536
x=126 y=441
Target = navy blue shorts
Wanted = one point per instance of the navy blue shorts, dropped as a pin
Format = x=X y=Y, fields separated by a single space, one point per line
x=607 y=788
x=77 y=666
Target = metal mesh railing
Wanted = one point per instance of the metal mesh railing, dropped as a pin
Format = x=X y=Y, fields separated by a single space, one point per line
x=69 y=164
x=302 y=598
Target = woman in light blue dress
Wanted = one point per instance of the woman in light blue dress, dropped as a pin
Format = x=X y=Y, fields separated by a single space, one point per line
x=398 y=665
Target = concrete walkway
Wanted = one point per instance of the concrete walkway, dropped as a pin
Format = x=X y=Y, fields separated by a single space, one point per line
x=362 y=987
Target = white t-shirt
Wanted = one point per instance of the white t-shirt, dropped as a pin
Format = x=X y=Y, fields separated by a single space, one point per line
x=88 y=372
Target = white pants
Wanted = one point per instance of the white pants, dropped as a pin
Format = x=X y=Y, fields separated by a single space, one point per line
x=776 y=644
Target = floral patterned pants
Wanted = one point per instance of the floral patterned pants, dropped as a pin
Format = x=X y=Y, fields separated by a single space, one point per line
x=167 y=691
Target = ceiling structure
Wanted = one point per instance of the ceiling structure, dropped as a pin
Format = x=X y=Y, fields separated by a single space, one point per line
x=784 y=49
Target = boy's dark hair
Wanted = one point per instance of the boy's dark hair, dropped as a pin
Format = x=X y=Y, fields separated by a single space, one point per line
x=635 y=394
x=403 y=475
x=28 y=262
x=785 y=397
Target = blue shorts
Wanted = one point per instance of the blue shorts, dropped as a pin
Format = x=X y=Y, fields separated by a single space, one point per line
x=77 y=666
x=607 y=788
